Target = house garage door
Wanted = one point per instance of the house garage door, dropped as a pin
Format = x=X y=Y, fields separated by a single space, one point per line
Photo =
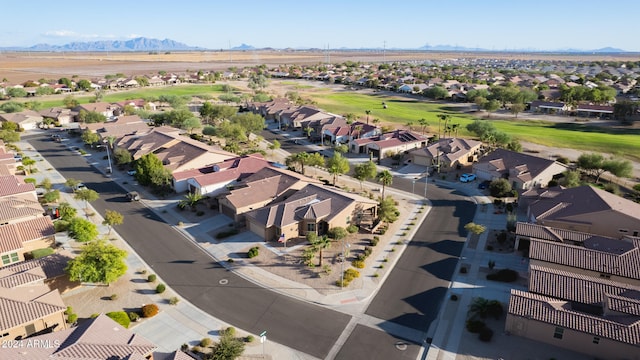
x=256 y=229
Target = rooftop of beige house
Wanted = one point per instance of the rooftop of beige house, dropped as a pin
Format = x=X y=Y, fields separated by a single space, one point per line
x=449 y=149
x=21 y=116
x=99 y=107
x=13 y=207
x=622 y=328
x=236 y=169
x=35 y=270
x=312 y=202
x=123 y=125
x=527 y=167
x=563 y=204
x=395 y=138
x=583 y=289
x=13 y=236
x=94 y=339
x=268 y=183
x=55 y=112
x=13 y=185
x=23 y=304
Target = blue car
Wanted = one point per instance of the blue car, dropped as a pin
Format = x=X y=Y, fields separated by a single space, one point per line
x=467 y=177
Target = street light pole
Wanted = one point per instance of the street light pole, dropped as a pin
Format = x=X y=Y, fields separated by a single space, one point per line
x=426 y=182
x=110 y=170
x=413 y=186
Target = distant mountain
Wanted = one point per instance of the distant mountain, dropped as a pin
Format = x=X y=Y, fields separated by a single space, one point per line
x=428 y=47
x=137 y=44
x=243 y=47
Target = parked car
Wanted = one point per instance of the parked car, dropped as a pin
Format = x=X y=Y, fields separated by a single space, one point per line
x=484 y=185
x=80 y=186
x=133 y=196
x=467 y=177
x=131 y=172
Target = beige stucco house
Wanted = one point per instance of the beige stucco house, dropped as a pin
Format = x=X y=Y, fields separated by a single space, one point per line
x=449 y=153
x=523 y=171
x=312 y=209
x=27 y=310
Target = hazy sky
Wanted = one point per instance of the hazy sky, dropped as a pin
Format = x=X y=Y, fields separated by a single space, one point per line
x=214 y=24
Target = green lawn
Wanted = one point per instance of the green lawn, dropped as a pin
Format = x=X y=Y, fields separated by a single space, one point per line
x=401 y=110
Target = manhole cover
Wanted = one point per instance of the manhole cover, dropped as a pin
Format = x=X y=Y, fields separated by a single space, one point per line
x=402 y=346
x=223 y=282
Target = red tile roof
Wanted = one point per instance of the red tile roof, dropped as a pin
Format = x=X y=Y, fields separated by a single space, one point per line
x=12 y=185
x=22 y=305
x=233 y=169
x=13 y=236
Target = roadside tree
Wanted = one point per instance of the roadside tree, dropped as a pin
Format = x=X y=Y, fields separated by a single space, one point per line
x=87 y=195
x=386 y=179
x=112 y=218
x=99 y=262
x=337 y=165
x=82 y=230
x=365 y=171
x=89 y=137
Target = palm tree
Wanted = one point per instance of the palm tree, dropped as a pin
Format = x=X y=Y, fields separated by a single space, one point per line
x=191 y=200
x=322 y=242
x=367 y=112
x=479 y=307
x=385 y=178
x=423 y=124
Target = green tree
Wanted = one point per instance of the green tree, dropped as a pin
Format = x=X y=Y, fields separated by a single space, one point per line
x=491 y=106
x=89 y=137
x=517 y=108
x=252 y=123
x=150 y=171
x=386 y=179
x=82 y=230
x=500 y=188
x=70 y=102
x=337 y=165
x=122 y=156
x=423 y=125
x=51 y=196
x=342 y=148
x=46 y=184
x=209 y=130
x=9 y=136
x=99 y=262
x=11 y=107
x=571 y=179
x=15 y=92
x=67 y=212
x=275 y=145
x=112 y=218
x=84 y=85
x=619 y=168
x=257 y=82
x=365 y=171
x=87 y=195
x=387 y=210
x=192 y=200
x=191 y=123
x=29 y=163
x=320 y=243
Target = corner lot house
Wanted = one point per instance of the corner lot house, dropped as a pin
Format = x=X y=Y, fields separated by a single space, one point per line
x=26 y=310
x=312 y=209
x=523 y=171
x=27 y=120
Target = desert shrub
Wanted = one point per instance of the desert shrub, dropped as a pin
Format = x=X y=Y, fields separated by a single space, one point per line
x=375 y=240
x=200 y=213
x=113 y=297
x=367 y=251
x=342 y=283
x=485 y=334
x=495 y=309
x=249 y=339
x=120 y=317
x=152 y=277
x=230 y=331
x=61 y=225
x=94 y=315
x=30 y=181
x=352 y=229
x=359 y=264
x=197 y=349
x=149 y=310
x=351 y=274
x=361 y=257
x=72 y=318
x=133 y=316
x=160 y=288
x=253 y=252
x=226 y=234
x=69 y=310
x=174 y=300
x=475 y=326
x=504 y=275
x=206 y=342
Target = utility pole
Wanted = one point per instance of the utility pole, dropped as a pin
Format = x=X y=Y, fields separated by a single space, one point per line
x=384 y=51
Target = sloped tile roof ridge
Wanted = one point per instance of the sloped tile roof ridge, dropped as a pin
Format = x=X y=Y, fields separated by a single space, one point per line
x=546 y=309
x=559 y=206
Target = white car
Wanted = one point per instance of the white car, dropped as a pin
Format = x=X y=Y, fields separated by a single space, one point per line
x=80 y=186
x=467 y=177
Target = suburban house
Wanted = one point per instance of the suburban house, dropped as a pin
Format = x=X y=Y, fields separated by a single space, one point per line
x=598 y=111
x=266 y=186
x=270 y=109
x=8 y=164
x=26 y=120
x=319 y=127
x=28 y=310
x=212 y=180
x=121 y=126
x=177 y=152
x=296 y=116
x=97 y=338
x=449 y=153
x=61 y=116
x=107 y=109
x=583 y=292
x=389 y=144
x=548 y=107
x=47 y=270
x=11 y=185
x=343 y=133
x=586 y=209
x=22 y=237
x=523 y=171
x=312 y=209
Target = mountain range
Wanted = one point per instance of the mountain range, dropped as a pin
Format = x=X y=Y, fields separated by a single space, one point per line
x=143 y=44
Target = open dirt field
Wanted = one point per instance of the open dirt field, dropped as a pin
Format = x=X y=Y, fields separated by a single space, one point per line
x=18 y=67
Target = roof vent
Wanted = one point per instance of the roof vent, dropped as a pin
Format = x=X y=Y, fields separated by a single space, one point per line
x=216 y=168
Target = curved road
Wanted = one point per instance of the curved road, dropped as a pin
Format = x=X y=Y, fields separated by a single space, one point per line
x=194 y=275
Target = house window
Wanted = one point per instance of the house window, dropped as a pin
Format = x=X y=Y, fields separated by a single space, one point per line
x=558 y=332
x=9 y=258
x=635 y=233
x=596 y=340
x=14 y=257
x=624 y=231
x=311 y=227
